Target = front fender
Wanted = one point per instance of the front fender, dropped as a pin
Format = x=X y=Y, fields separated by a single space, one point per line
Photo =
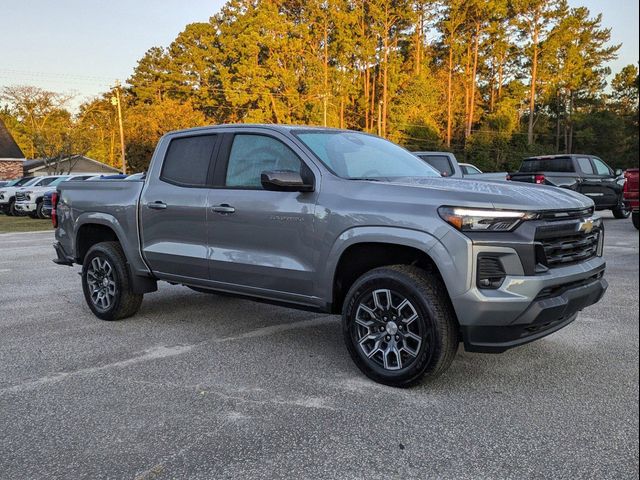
x=451 y=254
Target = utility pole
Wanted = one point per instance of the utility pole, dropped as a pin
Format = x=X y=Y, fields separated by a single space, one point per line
x=116 y=101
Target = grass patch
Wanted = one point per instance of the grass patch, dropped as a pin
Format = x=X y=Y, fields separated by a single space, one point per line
x=23 y=224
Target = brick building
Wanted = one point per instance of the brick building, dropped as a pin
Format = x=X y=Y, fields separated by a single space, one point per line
x=11 y=157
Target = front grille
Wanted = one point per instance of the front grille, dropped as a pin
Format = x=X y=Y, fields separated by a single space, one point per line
x=21 y=196
x=46 y=203
x=565 y=244
x=566 y=214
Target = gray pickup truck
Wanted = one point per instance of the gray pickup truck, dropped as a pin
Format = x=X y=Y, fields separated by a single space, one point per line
x=342 y=222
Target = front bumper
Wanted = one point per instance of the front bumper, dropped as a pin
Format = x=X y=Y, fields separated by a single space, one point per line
x=528 y=307
x=25 y=207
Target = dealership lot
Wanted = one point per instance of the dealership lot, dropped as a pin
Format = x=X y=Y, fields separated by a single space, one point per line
x=205 y=386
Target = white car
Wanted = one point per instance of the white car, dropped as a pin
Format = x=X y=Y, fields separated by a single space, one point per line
x=29 y=199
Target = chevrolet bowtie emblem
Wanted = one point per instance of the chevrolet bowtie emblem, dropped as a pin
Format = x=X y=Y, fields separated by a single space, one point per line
x=586 y=226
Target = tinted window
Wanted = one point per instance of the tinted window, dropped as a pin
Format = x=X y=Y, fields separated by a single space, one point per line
x=601 y=167
x=45 y=181
x=585 y=165
x=440 y=163
x=187 y=160
x=469 y=170
x=562 y=164
x=253 y=154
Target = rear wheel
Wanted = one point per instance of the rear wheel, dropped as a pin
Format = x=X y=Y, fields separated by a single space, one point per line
x=634 y=219
x=106 y=283
x=399 y=326
x=621 y=211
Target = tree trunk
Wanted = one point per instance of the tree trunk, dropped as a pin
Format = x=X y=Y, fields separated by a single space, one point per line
x=373 y=100
x=570 y=122
x=558 y=121
x=385 y=84
x=449 y=91
x=474 y=71
x=366 y=99
x=532 y=94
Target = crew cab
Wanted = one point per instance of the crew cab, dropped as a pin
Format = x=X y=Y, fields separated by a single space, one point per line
x=343 y=222
x=447 y=165
x=586 y=174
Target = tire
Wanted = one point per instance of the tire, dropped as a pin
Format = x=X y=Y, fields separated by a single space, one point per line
x=39 y=213
x=405 y=351
x=113 y=299
x=634 y=219
x=11 y=209
x=33 y=215
x=621 y=211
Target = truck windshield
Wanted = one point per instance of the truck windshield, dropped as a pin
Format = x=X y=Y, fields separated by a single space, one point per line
x=562 y=164
x=353 y=155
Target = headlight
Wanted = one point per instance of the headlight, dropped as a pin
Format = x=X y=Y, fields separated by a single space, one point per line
x=479 y=220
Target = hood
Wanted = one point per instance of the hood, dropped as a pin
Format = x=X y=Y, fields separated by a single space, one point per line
x=498 y=194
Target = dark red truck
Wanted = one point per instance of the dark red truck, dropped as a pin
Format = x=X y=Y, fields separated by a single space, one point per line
x=631 y=193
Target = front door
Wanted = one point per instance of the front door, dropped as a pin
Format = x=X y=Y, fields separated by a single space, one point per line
x=173 y=210
x=600 y=185
x=260 y=241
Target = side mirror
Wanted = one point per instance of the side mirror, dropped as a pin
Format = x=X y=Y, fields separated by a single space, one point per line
x=284 y=181
x=619 y=172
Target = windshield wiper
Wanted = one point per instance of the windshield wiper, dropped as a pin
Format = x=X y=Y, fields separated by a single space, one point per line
x=366 y=179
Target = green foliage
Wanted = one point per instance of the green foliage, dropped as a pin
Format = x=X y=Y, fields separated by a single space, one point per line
x=492 y=81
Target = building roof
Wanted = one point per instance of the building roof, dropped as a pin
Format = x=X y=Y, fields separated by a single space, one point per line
x=39 y=163
x=9 y=149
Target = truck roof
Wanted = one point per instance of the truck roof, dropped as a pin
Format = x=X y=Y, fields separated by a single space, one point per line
x=558 y=155
x=270 y=126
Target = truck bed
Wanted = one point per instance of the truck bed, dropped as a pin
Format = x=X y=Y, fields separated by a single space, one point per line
x=110 y=202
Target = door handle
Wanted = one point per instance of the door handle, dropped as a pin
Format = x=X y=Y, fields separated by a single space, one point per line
x=157 y=205
x=224 y=208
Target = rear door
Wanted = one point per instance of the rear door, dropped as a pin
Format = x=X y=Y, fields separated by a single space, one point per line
x=173 y=208
x=261 y=242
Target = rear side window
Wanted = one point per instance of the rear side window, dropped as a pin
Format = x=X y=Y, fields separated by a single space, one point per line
x=187 y=161
x=585 y=165
x=440 y=163
x=561 y=165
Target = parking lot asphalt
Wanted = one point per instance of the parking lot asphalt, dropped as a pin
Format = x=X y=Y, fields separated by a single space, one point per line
x=206 y=386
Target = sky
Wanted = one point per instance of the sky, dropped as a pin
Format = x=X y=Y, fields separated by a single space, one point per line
x=85 y=45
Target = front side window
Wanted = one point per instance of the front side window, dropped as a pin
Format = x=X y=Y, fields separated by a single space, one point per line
x=187 y=161
x=601 y=167
x=585 y=165
x=354 y=155
x=253 y=154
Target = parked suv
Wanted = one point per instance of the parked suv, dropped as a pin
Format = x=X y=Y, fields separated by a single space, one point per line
x=447 y=165
x=342 y=222
x=585 y=174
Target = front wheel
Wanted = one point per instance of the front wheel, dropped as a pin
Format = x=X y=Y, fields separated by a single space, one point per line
x=106 y=283
x=11 y=209
x=39 y=213
x=634 y=219
x=399 y=325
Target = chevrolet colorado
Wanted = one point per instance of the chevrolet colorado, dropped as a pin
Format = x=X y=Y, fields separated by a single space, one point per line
x=339 y=221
